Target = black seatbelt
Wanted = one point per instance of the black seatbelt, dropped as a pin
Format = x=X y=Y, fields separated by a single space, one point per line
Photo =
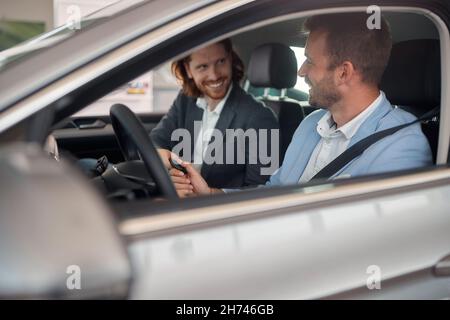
x=358 y=148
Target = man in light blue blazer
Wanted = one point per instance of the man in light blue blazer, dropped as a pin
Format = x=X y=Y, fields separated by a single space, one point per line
x=405 y=149
x=345 y=60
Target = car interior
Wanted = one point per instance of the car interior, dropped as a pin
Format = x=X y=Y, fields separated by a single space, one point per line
x=272 y=66
x=58 y=219
x=411 y=81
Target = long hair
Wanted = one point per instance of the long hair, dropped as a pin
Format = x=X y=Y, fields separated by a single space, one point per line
x=188 y=85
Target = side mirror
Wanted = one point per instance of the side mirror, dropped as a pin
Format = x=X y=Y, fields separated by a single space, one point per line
x=58 y=237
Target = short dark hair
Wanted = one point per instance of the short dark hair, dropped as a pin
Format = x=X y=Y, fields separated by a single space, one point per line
x=350 y=39
x=188 y=85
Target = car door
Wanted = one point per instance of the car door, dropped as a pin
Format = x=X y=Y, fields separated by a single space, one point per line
x=93 y=136
x=360 y=240
x=375 y=240
x=315 y=241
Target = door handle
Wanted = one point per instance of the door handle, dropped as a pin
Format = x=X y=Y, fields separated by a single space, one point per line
x=97 y=124
x=442 y=268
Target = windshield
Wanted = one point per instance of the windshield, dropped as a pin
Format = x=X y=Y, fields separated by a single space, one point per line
x=65 y=31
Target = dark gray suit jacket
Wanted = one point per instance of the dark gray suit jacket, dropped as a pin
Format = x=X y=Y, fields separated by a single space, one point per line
x=241 y=111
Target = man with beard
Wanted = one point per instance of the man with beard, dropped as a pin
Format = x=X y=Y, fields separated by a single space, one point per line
x=344 y=65
x=211 y=98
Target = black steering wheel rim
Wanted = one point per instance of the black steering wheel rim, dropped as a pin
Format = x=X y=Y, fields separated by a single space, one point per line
x=133 y=140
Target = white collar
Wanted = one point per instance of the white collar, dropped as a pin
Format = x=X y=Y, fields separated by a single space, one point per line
x=326 y=125
x=202 y=104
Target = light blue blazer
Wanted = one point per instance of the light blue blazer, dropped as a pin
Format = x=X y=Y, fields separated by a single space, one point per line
x=406 y=149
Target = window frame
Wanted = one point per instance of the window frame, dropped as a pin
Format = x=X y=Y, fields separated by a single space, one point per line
x=196 y=34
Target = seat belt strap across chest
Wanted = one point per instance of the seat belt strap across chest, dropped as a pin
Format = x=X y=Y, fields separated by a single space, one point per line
x=358 y=148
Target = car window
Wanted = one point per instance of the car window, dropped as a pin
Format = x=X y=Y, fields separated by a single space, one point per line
x=300 y=55
x=155 y=91
x=152 y=92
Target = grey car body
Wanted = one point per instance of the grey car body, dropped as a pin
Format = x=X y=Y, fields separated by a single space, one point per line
x=320 y=240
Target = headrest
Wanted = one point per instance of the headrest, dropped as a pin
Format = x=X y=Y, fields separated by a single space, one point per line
x=273 y=65
x=413 y=75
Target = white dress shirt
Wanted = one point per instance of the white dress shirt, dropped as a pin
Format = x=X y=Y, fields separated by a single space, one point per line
x=334 y=141
x=209 y=121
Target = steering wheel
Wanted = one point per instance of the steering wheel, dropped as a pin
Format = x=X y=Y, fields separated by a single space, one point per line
x=134 y=140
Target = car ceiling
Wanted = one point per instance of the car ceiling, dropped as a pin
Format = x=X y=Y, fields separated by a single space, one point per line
x=289 y=32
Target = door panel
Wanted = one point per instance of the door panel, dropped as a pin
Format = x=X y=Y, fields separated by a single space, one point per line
x=302 y=253
x=93 y=137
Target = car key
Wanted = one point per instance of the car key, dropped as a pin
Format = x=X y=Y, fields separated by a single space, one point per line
x=177 y=166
